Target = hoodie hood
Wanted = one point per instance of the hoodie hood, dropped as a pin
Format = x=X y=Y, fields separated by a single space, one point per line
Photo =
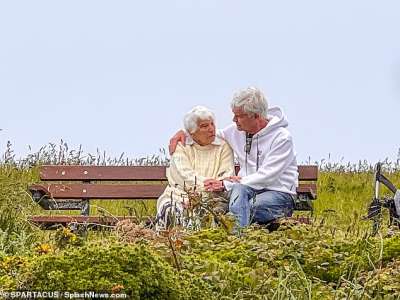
x=276 y=118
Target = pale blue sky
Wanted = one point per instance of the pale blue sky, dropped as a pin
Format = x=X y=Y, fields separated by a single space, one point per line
x=119 y=75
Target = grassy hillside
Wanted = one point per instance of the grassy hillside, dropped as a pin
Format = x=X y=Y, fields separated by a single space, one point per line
x=335 y=257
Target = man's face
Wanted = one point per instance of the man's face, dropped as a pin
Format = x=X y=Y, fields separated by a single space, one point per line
x=205 y=133
x=244 y=121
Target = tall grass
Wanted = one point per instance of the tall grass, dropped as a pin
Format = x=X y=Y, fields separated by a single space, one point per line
x=61 y=154
x=344 y=189
x=16 y=234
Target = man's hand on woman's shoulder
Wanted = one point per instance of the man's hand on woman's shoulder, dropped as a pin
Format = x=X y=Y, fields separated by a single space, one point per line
x=180 y=136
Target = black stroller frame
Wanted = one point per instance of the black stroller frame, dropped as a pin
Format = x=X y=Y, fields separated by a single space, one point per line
x=390 y=203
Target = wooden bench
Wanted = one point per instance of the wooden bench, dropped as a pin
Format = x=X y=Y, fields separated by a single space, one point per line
x=73 y=187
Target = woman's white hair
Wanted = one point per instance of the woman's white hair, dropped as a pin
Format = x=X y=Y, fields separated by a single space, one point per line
x=194 y=115
x=251 y=100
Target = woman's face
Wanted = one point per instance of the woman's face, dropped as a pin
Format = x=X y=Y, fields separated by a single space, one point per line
x=205 y=133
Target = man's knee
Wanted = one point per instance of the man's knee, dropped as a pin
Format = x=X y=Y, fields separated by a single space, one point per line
x=240 y=193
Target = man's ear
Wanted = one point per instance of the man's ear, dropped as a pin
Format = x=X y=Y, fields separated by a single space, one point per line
x=256 y=116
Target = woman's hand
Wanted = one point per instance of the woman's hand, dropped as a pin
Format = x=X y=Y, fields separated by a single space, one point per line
x=213 y=185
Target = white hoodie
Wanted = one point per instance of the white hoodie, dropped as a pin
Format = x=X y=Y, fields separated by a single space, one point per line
x=277 y=166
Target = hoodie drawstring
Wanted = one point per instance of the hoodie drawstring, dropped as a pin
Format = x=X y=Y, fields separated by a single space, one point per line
x=247 y=148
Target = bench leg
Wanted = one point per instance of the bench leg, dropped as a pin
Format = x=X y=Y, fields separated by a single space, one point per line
x=82 y=228
x=85 y=207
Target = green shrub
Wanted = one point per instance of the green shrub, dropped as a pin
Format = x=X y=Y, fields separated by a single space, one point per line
x=11 y=267
x=136 y=270
x=384 y=282
x=391 y=248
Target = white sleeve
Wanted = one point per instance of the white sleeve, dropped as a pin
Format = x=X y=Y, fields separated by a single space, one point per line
x=220 y=133
x=228 y=185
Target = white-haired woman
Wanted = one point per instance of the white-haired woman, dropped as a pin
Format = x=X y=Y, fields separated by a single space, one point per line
x=203 y=157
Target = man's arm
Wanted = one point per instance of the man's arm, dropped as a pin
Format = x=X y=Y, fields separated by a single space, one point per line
x=180 y=136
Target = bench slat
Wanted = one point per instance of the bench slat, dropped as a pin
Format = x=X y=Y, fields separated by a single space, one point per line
x=100 y=191
x=119 y=191
x=50 y=220
x=308 y=173
x=124 y=173
x=307 y=189
x=120 y=173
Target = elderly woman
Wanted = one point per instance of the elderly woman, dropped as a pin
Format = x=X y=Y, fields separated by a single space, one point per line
x=203 y=157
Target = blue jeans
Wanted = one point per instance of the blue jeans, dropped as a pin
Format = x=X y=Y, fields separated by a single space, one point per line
x=249 y=205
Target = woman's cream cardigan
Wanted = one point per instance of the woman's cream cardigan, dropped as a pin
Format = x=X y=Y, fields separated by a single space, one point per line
x=190 y=165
